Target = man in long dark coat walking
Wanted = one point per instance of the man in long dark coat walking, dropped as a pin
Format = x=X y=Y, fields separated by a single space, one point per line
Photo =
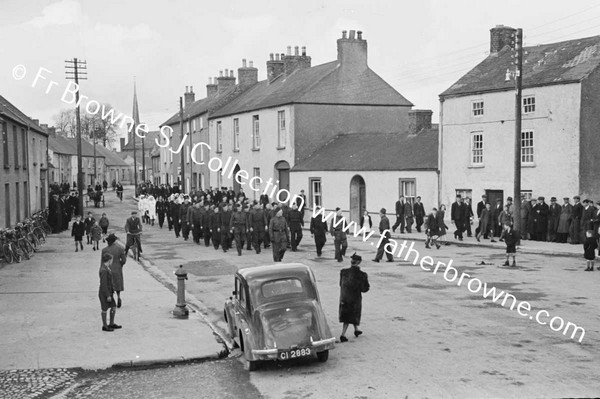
x=384 y=229
x=318 y=229
x=576 y=214
x=353 y=282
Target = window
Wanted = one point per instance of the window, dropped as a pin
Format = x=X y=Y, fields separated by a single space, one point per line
x=477 y=149
x=4 y=128
x=24 y=147
x=7 y=201
x=236 y=134
x=281 y=136
x=408 y=188
x=282 y=287
x=528 y=104
x=527 y=147
x=255 y=133
x=187 y=154
x=465 y=193
x=255 y=186
x=315 y=191
x=477 y=108
x=16 y=148
x=527 y=194
x=18 y=202
x=219 y=137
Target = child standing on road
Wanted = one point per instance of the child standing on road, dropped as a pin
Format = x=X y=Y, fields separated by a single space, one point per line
x=77 y=231
x=89 y=222
x=104 y=226
x=105 y=293
x=96 y=231
x=511 y=238
x=589 y=248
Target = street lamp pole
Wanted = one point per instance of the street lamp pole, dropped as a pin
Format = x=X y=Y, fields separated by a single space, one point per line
x=95 y=166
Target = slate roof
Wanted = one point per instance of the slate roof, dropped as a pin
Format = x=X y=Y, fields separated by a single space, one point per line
x=8 y=110
x=556 y=63
x=203 y=105
x=148 y=140
x=321 y=84
x=376 y=151
x=68 y=146
x=110 y=157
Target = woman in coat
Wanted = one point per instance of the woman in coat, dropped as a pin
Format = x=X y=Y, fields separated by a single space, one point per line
x=151 y=208
x=116 y=267
x=353 y=282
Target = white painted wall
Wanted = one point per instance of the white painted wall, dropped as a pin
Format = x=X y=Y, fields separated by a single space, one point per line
x=556 y=143
x=265 y=158
x=382 y=189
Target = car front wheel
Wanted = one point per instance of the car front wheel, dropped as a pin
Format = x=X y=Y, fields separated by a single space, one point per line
x=323 y=356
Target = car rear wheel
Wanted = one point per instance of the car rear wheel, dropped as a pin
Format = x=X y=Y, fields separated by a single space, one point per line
x=323 y=356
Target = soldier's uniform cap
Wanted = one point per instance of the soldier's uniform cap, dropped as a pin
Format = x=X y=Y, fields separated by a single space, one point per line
x=566 y=198
x=553 y=199
x=541 y=198
x=586 y=201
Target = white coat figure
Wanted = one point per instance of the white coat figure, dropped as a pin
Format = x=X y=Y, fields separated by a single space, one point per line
x=151 y=209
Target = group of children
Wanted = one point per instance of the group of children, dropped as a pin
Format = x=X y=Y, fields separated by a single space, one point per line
x=92 y=229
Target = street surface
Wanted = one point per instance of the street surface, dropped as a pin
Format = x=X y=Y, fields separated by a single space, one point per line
x=423 y=336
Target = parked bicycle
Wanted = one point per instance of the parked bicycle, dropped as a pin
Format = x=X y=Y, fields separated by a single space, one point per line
x=10 y=250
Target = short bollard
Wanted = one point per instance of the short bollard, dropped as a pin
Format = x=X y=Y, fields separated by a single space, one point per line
x=181 y=311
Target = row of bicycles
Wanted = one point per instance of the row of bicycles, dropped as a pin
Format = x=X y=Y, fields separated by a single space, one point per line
x=25 y=239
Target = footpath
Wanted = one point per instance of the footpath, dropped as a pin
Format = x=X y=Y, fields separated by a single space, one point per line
x=50 y=314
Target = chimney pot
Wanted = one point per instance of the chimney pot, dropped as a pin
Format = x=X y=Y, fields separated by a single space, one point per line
x=289 y=50
x=251 y=64
x=304 y=50
x=277 y=57
x=244 y=62
x=296 y=51
x=191 y=89
x=209 y=81
x=282 y=55
x=226 y=72
x=186 y=89
x=231 y=73
x=271 y=56
x=359 y=34
x=352 y=35
x=344 y=34
x=221 y=74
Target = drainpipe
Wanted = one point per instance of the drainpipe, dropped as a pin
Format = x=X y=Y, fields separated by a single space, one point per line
x=440 y=150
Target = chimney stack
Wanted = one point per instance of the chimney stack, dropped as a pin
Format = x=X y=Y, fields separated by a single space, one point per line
x=274 y=67
x=225 y=82
x=352 y=53
x=500 y=37
x=419 y=119
x=211 y=88
x=189 y=96
x=36 y=121
x=294 y=62
x=248 y=75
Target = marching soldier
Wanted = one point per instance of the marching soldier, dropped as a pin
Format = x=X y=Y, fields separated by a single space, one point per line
x=183 y=218
x=318 y=229
x=206 y=224
x=268 y=216
x=215 y=227
x=225 y=228
x=248 y=211
x=195 y=218
x=175 y=207
x=280 y=236
x=161 y=210
x=338 y=224
x=238 y=226
x=259 y=225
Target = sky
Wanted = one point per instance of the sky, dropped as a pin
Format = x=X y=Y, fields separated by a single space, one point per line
x=419 y=47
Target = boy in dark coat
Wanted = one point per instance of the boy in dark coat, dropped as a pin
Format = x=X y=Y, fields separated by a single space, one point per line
x=318 y=230
x=105 y=293
x=77 y=231
x=88 y=223
x=589 y=247
x=511 y=238
x=353 y=282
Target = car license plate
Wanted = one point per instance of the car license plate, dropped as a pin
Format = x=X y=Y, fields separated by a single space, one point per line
x=294 y=353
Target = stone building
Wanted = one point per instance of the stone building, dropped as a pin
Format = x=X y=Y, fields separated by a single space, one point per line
x=560 y=122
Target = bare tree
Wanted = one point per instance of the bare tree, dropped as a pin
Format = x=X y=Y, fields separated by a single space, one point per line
x=102 y=128
x=64 y=122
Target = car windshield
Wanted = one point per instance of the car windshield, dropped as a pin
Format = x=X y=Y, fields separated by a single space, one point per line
x=281 y=287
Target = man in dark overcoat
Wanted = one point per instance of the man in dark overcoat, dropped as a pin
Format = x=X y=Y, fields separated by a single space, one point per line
x=295 y=222
x=457 y=214
x=338 y=231
x=280 y=235
x=419 y=212
x=525 y=211
x=384 y=230
x=353 y=282
x=576 y=214
x=400 y=221
x=542 y=211
x=318 y=229
x=553 y=219
x=480 y=208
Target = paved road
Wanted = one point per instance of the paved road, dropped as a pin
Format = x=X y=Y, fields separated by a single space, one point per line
x=423 y=335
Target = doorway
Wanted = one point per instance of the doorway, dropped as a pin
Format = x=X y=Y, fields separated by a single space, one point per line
x=493 y=196
x=358 y=201
x=283 y=175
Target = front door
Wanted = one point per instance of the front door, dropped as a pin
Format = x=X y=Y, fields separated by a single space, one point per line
x=357 y=198
x=493 y=196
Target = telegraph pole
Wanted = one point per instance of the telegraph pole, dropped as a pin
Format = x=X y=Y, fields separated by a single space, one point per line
x=77 y=70
x=518 y=107
x=182 y=150
x=143 y=162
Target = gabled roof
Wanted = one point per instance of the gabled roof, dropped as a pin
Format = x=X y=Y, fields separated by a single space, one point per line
x=376 y=151
x=556 y=63
x=148 y=140
x=68 y=146
x=203 y=105
x=110 y=157
x=10 y=111
x=321 y=84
